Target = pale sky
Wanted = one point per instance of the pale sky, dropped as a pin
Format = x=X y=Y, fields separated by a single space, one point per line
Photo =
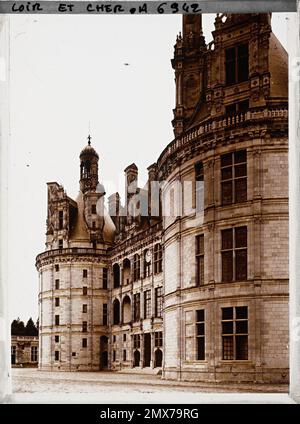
x=67 y=71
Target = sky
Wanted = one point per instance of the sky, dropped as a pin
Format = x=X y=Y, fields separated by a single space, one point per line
x=67 y=78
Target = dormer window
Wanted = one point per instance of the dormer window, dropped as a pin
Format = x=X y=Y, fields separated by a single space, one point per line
x=237 y=64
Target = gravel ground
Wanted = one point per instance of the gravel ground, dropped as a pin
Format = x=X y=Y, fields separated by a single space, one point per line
x=34 y=386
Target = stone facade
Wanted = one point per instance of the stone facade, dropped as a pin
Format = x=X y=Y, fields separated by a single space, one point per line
x=24 y=351
x=190 y=275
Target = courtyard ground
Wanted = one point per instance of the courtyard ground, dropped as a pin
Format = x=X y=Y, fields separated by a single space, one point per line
x=34 y=386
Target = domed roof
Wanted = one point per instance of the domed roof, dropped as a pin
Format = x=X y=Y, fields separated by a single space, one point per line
x=89 y=150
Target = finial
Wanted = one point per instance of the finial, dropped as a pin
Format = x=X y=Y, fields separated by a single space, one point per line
x=89 y=140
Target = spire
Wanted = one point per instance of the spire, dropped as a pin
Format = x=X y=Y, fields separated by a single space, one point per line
x=89 y=139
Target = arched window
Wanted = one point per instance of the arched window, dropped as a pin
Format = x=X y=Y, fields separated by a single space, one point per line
x=158 y=358
x=126 y=307
x=116 y=272
x=126 y=272
x=116 y=312
x=137 y=358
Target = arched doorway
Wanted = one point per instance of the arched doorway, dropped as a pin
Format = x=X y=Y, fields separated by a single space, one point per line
x=126 y=309
x=136 y=358
x=158 y=358
x=103 y=352
x=116 y=312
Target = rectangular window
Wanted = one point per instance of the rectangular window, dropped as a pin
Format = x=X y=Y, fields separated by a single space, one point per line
x=237 y=107
x=84 y=342
x=56 y=268
x=136 y=267
x=147 y=263
x=57 y=301
x=157 y=258
x=147 y=304
x=84 y=273
x=56 y=319
x=235 y=333
x=114 y=339
x=60 y=220
x=94 y=209
x=56 y=339
x=104 y=278
x=34 y=353
x=200 y=260
x=234 y=177
x=105 y=314
x=158 y=302
x=136 y=341
x=200 y=335
x=56 y=284
x=60 y=243
x=84 y=290
x=158 y=338
x=199 y=186
x=234 y=254
x=56 y=355
x=84 y=309
x=124 y=355
x=114 y=356
x=237 y=64
x=124 y=337
x=84 y=326
x=136 y=307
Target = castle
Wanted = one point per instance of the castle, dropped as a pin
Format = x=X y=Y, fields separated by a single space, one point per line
x=190 y=274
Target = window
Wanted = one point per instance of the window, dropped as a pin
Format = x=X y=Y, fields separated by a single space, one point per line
x=235 y=333
x=56 y=268
x=158 y=340
x=84 y=326
x=56 y=355
x=56 y=339
x=60 y=243
x=136 y=341
x=234 y=254
x=114 y=339
x=73 y=353
x=94 y=210
x=60 y=220
x=199 y=186
x=34 y=353
x=237 y=64
x=104 y=313
x=124 y=337
x=84 y=308
x=147 y=263
x=158 y=302
x=57 y=301
x=200 y=260
x=200 y=335
x=147 y=304
x=84 y=273
x=157 y=258
x=57 y=284
x=84 y=290
x=124 y=355
x=84 y=342
x=237 y=107
x=104 y=278
x=56 y=319
x=94 y=225
x=94 y=244
x=234 y=177
x=136 y=267
x=136 y=307
x=114 y=356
